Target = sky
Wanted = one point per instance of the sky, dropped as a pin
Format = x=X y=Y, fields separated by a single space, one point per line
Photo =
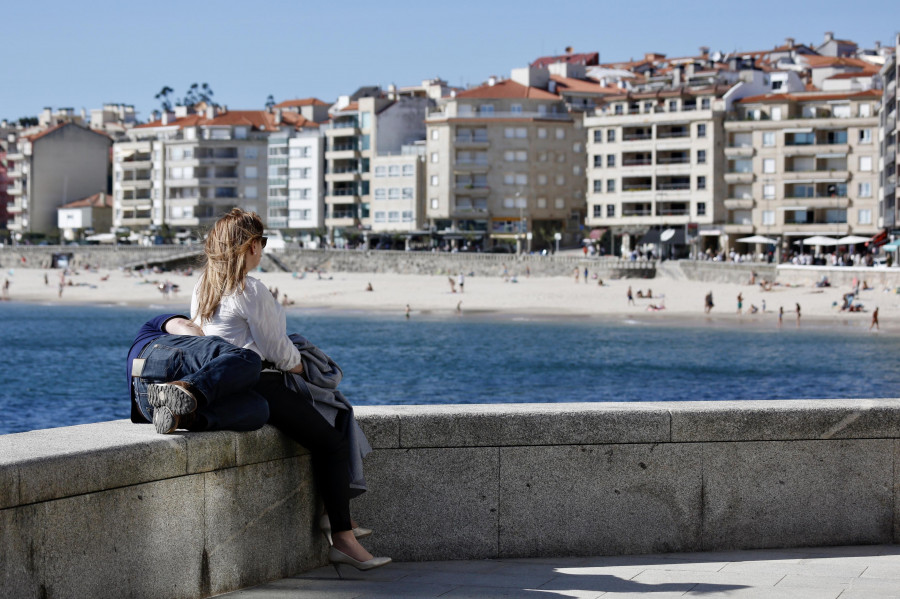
x=64 y=54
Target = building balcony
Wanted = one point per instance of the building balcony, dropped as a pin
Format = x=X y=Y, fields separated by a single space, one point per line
x=739 y=203
x=740 y=152
x=472 y=190
x=471 y=167
x=813 y=149
x=340 y=197
x=214 y=161
x=15 y=207
x=739 y=177
x=342 y=153
x=136 y=164
x=636 y=136
x=15 y=155
x=471 y=143
x=15 y=190
x=740 y=229
x=792 y=176
x=347 y=175
x=821 y=202
x=182 y=182
x=339 y=130
x=340 y=220
x=136 y=183
x=818 y=228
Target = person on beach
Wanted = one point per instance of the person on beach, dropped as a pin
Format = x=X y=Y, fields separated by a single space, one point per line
x=461 y=282
x=630 y=297
x=780 y=315
x=6 y=289
x=708 y=303
x=740 y=302
x=798 y=314
x=179 y=378
x=875 y=320
x=229 y=303
x=585 y=272
x=577 y=274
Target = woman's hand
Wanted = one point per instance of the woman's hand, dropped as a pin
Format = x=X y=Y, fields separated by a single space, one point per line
x=298 y=369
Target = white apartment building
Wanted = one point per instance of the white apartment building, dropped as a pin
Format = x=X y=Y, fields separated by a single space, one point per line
x=505 y=165
x=51 y=168
x=398 y=193
x=360 y=129
x=802 y=164
x=186 y=170
x=655 y=163
x=296 y=179
x=889 y=140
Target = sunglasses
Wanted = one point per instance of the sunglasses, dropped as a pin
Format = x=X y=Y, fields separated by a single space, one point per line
x=263 y=241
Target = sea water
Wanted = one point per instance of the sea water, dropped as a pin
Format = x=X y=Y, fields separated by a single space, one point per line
x=65 y=365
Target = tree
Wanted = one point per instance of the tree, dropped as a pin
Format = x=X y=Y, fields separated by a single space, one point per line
x=28 y=121
x=197 y=94
x=163 y=96
x=270 y=102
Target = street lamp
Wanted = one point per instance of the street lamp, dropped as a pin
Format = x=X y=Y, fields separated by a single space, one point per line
x=520 y=204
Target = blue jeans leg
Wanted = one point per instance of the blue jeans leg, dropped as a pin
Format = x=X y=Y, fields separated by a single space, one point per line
x=223 y=373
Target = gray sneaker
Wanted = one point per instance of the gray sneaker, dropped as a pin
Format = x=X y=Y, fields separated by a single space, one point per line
x=169 y=401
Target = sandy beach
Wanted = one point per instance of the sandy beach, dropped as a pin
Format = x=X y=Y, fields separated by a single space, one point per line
x=681 y=300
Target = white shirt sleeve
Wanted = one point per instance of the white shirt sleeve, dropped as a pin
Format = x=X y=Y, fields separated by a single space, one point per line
x=268 y=325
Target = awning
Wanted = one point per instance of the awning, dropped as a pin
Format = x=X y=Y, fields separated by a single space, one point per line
x=757 y=239
x=710 y=233
x=820 y=240
x=852 y=239
x=891 y=247
x=879 y=239
x=597 y=233
x=799 y=130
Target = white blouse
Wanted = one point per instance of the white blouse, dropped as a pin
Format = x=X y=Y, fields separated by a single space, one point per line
x=252 y=319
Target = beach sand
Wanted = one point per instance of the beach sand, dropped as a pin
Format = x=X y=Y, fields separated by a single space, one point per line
x=522 y=296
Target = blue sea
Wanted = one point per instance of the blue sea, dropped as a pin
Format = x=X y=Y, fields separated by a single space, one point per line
x=65 y=365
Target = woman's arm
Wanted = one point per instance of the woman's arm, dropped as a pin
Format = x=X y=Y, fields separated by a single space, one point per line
x=268 y=327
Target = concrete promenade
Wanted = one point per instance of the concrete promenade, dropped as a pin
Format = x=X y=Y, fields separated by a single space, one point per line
x=848 y=572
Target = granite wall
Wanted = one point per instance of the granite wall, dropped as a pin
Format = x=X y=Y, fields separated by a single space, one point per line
x=113 y=510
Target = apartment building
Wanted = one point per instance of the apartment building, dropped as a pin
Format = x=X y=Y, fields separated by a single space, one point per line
x=50 y=168
x=655 y=163
x=363 y=126
x=505 y=165
x=802 y=164
x=398 y=194
x=187 y=169
x=296 y=158
x=890 y=143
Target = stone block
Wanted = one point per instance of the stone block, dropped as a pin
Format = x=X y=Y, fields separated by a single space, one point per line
x=264 y=444
x=785 y=420
x=797 y=493
x=209 y=450
x=73 y=460
x=380 y=424
x=896 y=486
x=534 y=424
x=142 y=541
x=599 y=500
x=259 y=524
x=431 y=504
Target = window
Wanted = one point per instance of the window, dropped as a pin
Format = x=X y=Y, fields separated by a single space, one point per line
x=768 y=217
x=768 y=138
x=610 y=160
x=865 y=216
x=701 y=182
x=434 y=157
x=559 y=203
x=509 y=202
x=521 y=133
x=865 y=136
x=434 y=180
x=673 y=105
x=514 y=108
x=598 y=160
x=776 y=113
x=407 y=216
x=509 y=179
x=865 y=189
x=701 y=129
x=619 y=109
x=394 y=193
x=380 y=171
x=610 y=135
x=407 y=193
x=598 y=210
x=305 y=173
x=409 y=170
x=841 y=111
x=542 y=133
x=560 y=133
x=598 y=185
x=435 y=134
x=701 y=156
x=560 y=180
x=394 y=170
x=542 y=179
x=486 y=109
x=576 y=170
x=542 y=157
x=769 y=165
x=865 y=163
x=521 y=179
x=509 y=156
x=598 y=136
x=240 y=133
x=576 y=147
x=379 y=216
x=610 y=211
x=521 y=156
x=865 y=110
x=434 y=203
x=610 y=185
x=560 y=157
x=250 y=192
x=768 y=192
x=704 y=103
x=701 y=208
x=542 y=202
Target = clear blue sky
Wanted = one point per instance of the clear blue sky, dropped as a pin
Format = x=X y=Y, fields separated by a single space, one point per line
x=65 y=54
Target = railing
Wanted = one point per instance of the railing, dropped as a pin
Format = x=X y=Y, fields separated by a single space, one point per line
x=498 y=114
x=671 y=134
x=637 y=187
x=641 y=212
x=344 y=148
x=673 y=160
x=646 y=162
x=673 y=186
x=636 y=136
x=468 y=139
x=672 y=212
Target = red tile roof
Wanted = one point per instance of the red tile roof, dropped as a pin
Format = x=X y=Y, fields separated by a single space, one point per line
x=852 y=75
x=349 y=107
x=587 y=58
x=298 y=121
x=818 y=62
x=98 y=200
x=811 y=97
x=583 y=85
x=257 y=119
x=298 y=103
x=35 y=136
x=507 y=89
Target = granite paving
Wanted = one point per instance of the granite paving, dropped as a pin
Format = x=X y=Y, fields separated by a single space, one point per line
x=849 y=572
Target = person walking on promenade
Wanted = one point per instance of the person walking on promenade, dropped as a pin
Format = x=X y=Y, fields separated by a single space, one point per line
x=875 y=320
x=230 y=303
x=585 y=273
x=708 y=303
x=179 y=378
x=460 y=282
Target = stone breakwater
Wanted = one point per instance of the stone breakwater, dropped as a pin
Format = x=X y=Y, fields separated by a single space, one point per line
x=113 y=509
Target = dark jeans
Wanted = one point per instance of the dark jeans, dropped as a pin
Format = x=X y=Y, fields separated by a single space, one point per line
x=223 y=373
x=298 y=419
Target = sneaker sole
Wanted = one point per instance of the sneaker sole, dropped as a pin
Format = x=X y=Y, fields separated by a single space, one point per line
x=164 y=420
x=177 y=399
